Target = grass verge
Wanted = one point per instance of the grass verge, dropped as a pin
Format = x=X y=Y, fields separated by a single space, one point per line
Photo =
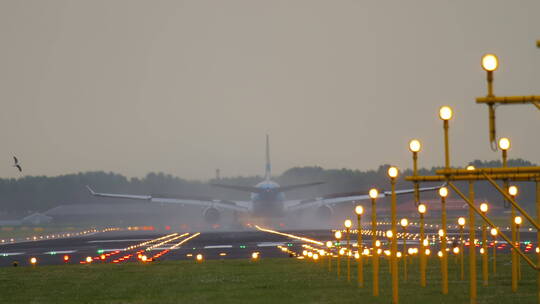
x=242 y=281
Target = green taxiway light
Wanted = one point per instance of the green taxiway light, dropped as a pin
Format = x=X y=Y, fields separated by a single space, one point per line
x=100 y=251
x=289 y=245
x=242 y=246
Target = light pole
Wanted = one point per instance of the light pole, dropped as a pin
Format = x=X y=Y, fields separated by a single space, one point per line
x=472 y=245
x=393 y=173
x=461 y=223
x=504 y=145
x=322 y=255
x=422 y=210
x=374 y=194
x=490 y=63
x=329 y=246
x=338 y=237
x=513 y=191
x=518 y=220
x=443 y=192
x=359 y=210
x=484 y=209
x=494 y=233
x=404 y=222
x=537 y=249
x=348 y=225
x=389 y=236
x=445 y=114
x=456 y=250
x=414 y=147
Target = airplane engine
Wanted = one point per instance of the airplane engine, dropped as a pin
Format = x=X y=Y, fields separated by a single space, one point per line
x=324 y=212
x=211 y=215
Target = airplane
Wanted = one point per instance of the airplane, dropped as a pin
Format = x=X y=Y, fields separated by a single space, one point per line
x=267 y=198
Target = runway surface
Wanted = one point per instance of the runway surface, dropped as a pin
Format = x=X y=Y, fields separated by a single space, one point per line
x=125 y=246
x=129 y=246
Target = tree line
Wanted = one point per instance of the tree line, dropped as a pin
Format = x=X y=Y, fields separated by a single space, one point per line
x=40 y=193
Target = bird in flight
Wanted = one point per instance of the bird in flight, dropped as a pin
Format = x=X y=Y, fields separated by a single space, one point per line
x=17 y=165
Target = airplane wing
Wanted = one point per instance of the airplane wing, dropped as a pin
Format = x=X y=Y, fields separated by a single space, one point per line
x=242 y=206
x=345 y=197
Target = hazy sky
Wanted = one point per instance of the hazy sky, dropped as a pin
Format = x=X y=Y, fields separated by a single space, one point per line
x=185 y=87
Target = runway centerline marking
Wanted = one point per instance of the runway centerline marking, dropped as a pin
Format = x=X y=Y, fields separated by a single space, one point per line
x=60 y=252
x=5 y=254
x=217 y=246
x=270 y=244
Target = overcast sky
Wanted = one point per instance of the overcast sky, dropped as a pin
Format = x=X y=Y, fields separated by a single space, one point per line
x=185 y=87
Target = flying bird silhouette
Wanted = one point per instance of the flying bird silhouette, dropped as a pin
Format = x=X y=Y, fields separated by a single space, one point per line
x=17 y=165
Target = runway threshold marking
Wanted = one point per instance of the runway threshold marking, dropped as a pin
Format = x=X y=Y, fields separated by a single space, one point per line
x=305 y=239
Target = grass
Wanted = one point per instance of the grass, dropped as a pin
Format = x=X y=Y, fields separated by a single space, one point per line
x=242 y=281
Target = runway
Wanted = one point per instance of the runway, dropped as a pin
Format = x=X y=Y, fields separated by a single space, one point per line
x=129 y=245
x=125 y=246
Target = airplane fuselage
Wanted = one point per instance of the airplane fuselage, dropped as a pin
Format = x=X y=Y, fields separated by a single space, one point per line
x=269 y=202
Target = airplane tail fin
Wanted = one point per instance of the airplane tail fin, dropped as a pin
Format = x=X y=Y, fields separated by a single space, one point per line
x=268 y=168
